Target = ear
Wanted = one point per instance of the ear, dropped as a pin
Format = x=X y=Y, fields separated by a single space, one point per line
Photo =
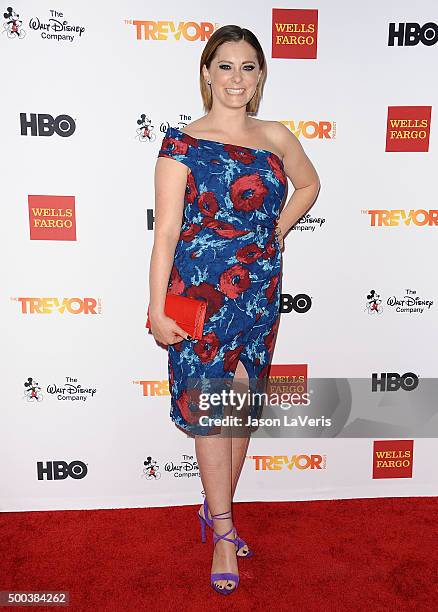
x=205 y=73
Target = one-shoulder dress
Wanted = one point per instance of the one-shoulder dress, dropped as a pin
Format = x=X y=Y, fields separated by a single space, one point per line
x=229 y=255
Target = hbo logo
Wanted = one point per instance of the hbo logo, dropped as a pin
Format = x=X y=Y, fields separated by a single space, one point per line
x=300 y=303
x=410 y=34
x=392 y=381
x=46 y=125
x=60 y=470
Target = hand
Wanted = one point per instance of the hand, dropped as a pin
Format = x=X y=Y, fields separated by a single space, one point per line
x=280 y=237
x=167 y=331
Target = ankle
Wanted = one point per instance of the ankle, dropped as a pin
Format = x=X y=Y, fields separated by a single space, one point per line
x=222 y=525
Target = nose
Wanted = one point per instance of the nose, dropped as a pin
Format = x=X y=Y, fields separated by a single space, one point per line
x=237 y=77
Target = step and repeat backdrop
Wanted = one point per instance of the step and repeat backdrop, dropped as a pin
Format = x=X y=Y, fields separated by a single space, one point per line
x=88 y=91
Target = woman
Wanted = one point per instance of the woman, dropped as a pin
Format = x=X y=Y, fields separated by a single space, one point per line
x=219 y=237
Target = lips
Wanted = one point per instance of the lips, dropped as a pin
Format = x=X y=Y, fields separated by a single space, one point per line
x=234 y=91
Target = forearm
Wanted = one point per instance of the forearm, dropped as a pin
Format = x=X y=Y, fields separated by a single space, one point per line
x=299 y=203
x=160 y=268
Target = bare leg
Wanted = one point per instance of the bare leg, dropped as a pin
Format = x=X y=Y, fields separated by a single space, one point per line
x=220 y=462
x=214 y=460
x=239 y=444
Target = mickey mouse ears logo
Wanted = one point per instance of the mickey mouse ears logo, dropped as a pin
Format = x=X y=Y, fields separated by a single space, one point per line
x=142 y=119
x=372 y=294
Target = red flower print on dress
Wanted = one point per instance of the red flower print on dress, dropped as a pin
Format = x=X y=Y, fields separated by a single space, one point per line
x=241 y=154
x=234 y=281
x=207 y=204
x=188 y=234
x=249 y=253
x=223 y=229
x=270 y=289
x=231 y=358
x=176 y=284
x=206 y=291
x=248 y=192
x=174 y=146
x=188 y=404
x=191 y=189
x=178 y=146
x=277 y=168
x=207 y=347
x=190 y=140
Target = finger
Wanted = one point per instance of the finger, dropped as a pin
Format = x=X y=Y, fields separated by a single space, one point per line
x=176 y=339
x=181 y=332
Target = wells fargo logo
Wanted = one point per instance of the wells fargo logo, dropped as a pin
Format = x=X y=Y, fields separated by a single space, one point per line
x=279 y=462
x=393 y=458
x=49 y=305
x=294 y=33
x=312 y=129
x=165 y=30
x=52 y=217
x=287 y=380
x=153 y=388
x=408 y=128
x=395 y=218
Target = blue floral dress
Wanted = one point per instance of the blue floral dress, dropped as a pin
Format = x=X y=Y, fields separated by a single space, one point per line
x=229 y=255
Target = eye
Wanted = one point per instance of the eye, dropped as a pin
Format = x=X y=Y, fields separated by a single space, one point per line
x=248 y=67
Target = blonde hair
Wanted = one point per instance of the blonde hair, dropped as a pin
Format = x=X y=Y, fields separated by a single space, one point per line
x=235 y=34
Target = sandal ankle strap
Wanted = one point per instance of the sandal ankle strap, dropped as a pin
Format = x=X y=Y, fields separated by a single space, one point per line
x=222 y=536
x=220 y=515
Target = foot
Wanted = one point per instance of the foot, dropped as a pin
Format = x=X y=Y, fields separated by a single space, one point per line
x=224 y=559
x=243 y=550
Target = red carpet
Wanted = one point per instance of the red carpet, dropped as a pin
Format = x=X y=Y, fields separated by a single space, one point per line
x=318 y=556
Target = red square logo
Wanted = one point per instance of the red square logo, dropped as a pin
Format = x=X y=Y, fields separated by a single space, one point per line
x=285 y=380
x=408 y=128
x=393 y=458
x=294 y=33
x=52 y=217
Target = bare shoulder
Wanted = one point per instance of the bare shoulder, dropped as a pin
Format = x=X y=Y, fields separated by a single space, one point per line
x=297 y=165
x=278 y=136
x=282 y=135
x=196 y=127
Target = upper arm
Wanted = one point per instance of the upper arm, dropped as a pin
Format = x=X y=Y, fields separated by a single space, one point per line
x=170 y=186
x=177 y=157
x=297 y=165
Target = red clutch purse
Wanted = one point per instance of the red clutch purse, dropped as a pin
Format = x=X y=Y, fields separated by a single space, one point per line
x=188 y=312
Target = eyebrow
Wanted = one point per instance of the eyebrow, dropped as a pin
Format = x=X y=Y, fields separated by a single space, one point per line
x=244 y=62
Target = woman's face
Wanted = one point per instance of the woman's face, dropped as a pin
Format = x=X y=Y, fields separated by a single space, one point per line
x=234 y=73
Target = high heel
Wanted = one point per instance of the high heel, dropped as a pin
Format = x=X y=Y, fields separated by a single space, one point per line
x=203 y=524
x=224 y=575
x=206 y=521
